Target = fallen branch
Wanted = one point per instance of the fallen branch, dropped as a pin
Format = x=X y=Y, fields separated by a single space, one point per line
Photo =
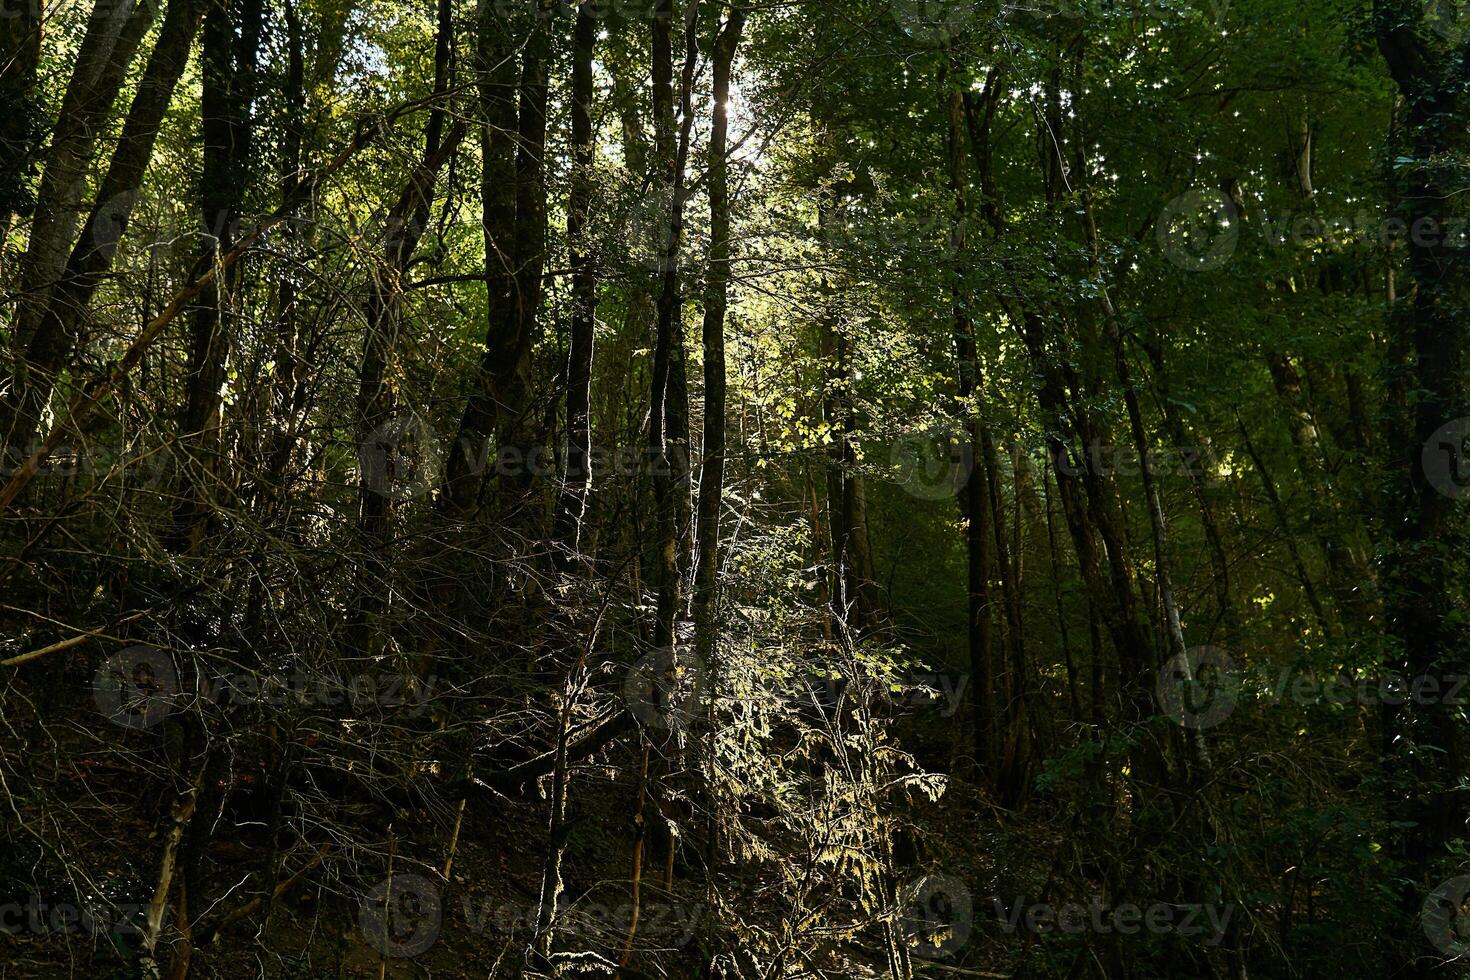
x=75 y=641
x=251 y=907
x=592 y=739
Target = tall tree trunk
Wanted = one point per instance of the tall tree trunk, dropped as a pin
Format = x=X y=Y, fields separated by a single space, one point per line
x=496 y=76
x=378 y=433
x=513 y=194
x=1423 y=743
x=530 y=237
x=20 y=129
x=114 y=30
x=577 y=482
x=975 y=504
x=716 y=300
x=712 y=466
x=57 y=333
x=230 y=52
x=663 y=419
x=286 y=373
x=853 y=594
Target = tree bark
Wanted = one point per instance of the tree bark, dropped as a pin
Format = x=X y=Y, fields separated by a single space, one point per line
x=577 y=481
x=975 y=504
x=59 y=328
x=114 y=30
x=20 y=129
x=1423 y=743
x=230 y=53
x=716 y=301
x=514 y=209
x=664 y=413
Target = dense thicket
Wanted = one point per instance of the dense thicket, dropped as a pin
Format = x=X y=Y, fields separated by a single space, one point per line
x=734 y=489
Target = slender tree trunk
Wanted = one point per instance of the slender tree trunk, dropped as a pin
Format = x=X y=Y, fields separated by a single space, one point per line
x=712 y=467
x=114 y=30
x=379 y=433
x=285 y=385
x=975 y=504
x=230 y=51
x=20 y=128
x=530 y=236
x=853 y=591
x=1283 y=525
x=1423 y=743
x=663 y=420
x=716 y=300
x=577 y=482
x=1179 y=434
x=57 y=333
x=496 y=81
x=1158 y=521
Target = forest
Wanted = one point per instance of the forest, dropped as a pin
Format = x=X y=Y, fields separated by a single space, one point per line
x=734 y=489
